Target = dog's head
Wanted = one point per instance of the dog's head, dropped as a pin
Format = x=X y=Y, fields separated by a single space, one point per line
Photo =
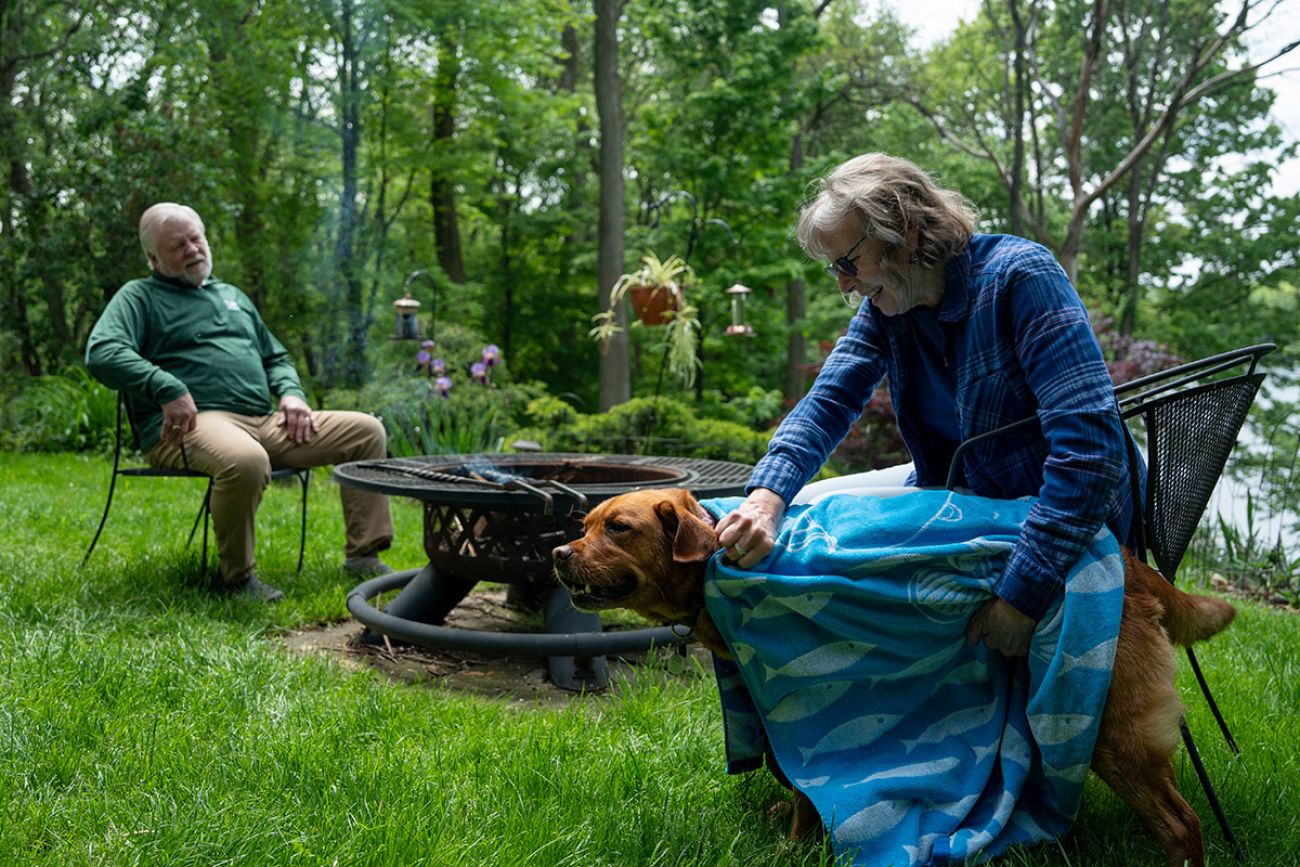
x=645 y=550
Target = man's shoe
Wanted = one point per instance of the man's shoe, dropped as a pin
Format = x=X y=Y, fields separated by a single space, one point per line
x=254 y=589
x=367 y=566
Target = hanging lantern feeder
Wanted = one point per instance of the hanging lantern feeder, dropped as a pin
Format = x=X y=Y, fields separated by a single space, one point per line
x=738 y=326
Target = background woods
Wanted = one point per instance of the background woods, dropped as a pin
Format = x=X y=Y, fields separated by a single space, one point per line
x=507 y=162
x=526 y=154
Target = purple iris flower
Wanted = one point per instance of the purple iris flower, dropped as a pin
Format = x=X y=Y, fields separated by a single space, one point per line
x=478 y=370
x=422 y=358
x=491 y=355
x=437 y=367
x=443 y=386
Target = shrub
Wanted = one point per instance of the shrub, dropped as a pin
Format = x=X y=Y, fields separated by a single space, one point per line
x=756 y=408
x=424 y=416
x=64 y=412
x=1129 y=358
x=644 y=425
x=873 y=441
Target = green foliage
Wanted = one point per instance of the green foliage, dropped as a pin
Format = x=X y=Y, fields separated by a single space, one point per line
x=757 y=408
x=472 y=417
x=64 y=412
x=435 y=426
x=740 y=104
x=643 y=425
x=1252 y=563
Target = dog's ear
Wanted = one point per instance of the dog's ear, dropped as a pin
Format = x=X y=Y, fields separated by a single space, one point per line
x=693 y=540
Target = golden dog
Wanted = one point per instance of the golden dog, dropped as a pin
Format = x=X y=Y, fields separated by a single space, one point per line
x=647 y=551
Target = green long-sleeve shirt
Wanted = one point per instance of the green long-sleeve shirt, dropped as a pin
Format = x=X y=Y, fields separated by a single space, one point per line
x=160 y=338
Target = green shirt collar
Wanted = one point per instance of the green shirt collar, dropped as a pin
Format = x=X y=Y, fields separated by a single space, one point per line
x=178 y=283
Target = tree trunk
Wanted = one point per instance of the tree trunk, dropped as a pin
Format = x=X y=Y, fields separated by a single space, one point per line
x=615 y=383
x=576 y=179
x=796 y=308
x=796 y=343
x=442 y=189
x=12 y=157
x=1068 y=253
x=354 y=372
x=505 y=265
x=58 y=346
x=1019 y=85
x=1133 y=259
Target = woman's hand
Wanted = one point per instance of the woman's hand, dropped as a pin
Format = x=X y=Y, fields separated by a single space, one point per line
x=749 y=533
x=1002 y=628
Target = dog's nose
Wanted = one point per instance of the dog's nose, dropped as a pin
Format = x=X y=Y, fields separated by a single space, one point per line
x=563 y=552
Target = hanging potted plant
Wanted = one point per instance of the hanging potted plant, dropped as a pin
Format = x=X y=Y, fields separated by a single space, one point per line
x=657 y=293
x=655 y=289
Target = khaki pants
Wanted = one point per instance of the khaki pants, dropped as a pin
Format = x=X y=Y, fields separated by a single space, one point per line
x=239 y=451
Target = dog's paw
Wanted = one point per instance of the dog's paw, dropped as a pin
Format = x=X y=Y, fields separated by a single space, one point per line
x=781 y=811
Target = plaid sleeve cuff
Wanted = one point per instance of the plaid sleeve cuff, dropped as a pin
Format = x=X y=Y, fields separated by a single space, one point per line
x=785 y=479
x=1027 y=586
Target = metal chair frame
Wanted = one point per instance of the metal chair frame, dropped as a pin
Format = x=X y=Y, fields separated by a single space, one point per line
x=1145 y=399
x=204 y=515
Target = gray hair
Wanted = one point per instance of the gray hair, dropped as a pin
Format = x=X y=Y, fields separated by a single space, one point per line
x=156 y=215
x=887 y=198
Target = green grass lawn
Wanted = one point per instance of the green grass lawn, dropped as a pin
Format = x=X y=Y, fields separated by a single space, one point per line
x=143 y=721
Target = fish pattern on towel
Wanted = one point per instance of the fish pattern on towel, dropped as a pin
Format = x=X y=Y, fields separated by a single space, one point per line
x=853 y=673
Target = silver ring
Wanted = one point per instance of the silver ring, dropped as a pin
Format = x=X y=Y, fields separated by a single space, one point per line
x=739 y=550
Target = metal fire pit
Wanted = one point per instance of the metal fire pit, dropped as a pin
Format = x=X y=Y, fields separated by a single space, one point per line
x=497 y=518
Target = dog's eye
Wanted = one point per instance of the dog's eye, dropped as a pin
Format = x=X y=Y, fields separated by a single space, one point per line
x=612 y=526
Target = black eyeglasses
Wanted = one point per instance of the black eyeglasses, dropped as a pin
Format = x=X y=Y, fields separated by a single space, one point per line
x=844 y=264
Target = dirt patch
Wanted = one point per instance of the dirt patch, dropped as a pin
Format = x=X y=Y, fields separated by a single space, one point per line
x=511 y=679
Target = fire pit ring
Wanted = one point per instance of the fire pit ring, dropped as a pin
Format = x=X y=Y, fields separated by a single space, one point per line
x=570 y=644
x=497 y=518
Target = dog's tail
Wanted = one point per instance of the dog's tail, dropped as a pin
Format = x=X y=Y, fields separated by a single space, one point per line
x=1187 y=617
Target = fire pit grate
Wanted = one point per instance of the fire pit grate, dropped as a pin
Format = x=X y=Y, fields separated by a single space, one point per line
x=497 y=518
x=481 y=513
x=450 y=478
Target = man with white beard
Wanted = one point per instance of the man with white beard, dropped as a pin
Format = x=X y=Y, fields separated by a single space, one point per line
x=201 y=369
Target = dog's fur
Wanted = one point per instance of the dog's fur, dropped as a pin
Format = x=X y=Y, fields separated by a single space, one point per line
x=647 y=551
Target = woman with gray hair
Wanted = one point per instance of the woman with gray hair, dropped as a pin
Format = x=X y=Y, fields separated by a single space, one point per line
x=973 y=332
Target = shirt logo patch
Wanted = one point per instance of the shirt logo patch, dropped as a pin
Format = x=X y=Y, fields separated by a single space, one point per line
x=231 y=304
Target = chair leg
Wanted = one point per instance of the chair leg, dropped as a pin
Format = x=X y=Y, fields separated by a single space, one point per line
x=112 y=485
x=1210 y=794
x=205 y=515
x=203 y=511
x=1209 y=699
x=305 y=478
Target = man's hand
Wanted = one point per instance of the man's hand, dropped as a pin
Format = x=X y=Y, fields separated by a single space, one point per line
x=179 y=418
x=1002 y=628
x=296 y=419
x=749 y=533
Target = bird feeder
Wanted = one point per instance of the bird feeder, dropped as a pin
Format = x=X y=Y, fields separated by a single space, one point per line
x=738 y=326
x=408 y=326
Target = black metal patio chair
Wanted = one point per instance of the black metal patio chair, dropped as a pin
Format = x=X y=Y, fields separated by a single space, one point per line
x=1189 y=417
x=205 y=512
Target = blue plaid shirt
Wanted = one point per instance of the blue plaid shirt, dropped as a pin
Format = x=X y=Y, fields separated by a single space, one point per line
x=1019 y=344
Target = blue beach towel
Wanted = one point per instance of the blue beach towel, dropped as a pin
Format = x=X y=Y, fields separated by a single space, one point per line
x=851 y=665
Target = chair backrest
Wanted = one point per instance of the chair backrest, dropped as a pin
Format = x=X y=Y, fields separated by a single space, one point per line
x=1190 y=434
x=1192 y=421
x=132 y=409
